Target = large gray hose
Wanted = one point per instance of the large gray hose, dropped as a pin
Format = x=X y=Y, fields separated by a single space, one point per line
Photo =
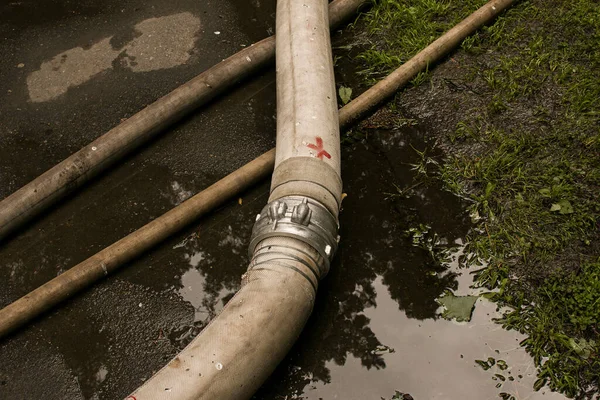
x=294 y=237
x=94 y=158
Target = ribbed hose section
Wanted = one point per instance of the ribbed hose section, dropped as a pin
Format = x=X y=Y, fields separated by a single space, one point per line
x=289 y=253
x=238 y=351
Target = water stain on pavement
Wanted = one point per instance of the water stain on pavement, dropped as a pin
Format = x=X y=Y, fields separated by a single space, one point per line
x=160 y=43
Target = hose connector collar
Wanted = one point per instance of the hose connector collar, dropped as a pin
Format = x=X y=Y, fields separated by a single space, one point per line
x=298 y=217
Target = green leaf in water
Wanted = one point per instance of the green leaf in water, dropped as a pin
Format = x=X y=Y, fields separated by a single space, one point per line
x=457 y=307
x=566 y=207
x=345 y=94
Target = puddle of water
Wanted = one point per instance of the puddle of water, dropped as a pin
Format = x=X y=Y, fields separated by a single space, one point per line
x=161 y=43
x=376 y=328
x=434 y=359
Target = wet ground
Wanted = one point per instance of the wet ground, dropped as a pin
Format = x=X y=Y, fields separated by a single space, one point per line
x=71 y=71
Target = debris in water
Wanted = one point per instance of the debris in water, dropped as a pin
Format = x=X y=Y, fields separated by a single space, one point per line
x=381 y=349
x=457 y=307
x=401 y=396
x=483 y=364
x=502 y=365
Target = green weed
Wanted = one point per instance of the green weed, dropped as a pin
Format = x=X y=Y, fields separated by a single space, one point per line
x=561 y=321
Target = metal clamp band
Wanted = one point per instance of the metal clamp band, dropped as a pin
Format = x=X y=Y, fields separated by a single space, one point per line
x=301 y=218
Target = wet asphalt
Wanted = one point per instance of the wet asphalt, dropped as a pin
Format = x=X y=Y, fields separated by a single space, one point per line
x=73 y=70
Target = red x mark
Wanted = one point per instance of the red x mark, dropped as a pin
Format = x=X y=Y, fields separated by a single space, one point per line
x=319 y=148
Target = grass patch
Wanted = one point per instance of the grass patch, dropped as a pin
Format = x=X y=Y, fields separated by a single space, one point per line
x=526 y=151
x=562 y=322
x=399 y=29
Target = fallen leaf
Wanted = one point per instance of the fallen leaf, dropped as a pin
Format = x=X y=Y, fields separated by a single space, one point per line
x=457 y=307
x=345 y=94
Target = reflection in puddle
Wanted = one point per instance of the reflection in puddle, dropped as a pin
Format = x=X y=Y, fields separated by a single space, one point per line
x=429 y=357
x=203 y=284
x=101 y=374
x=194 y=287
x=236 y=243
x=193 y=282
x=434 y=359
x=178 y=193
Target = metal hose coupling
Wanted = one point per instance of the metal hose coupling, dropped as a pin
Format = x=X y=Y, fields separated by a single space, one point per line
x=301 y=218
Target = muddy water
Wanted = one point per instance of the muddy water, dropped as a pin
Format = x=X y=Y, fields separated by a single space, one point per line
x=375 y=329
